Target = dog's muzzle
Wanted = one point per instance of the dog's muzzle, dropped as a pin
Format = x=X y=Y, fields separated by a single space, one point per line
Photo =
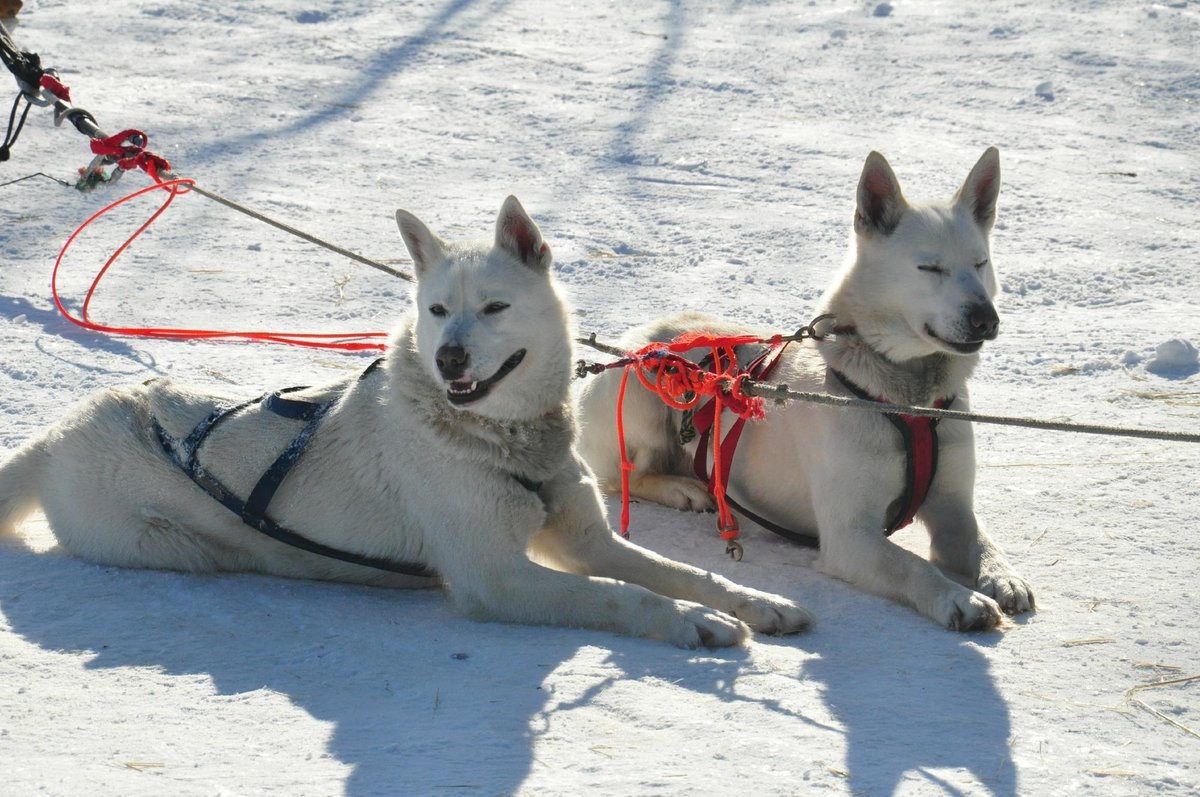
x=982 y=324
x=462 y=393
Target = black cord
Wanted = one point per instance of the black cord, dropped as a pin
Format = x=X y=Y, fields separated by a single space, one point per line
x=10 y=136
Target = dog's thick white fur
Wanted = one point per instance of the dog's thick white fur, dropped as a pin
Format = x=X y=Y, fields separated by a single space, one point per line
x=912 y=307
x=417 y=461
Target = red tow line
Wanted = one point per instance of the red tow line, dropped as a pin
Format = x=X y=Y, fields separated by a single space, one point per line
x=129 y=149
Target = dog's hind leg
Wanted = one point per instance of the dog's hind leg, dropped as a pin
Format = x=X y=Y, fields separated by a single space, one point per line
x=19 y=480
x=160 y=542
x=651 y=441
x=679 y=492
x=125 y=534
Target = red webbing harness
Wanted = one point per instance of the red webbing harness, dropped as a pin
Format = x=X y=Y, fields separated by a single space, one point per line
x=918 y=436
x=758 y=369
x=921 y=453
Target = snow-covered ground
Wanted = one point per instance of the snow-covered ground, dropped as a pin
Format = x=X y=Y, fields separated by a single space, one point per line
x=676 y=154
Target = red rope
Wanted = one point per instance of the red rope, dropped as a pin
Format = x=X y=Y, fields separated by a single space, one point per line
x=726 y=524
x=153 y=165
x=626 y=465
x=682 y=385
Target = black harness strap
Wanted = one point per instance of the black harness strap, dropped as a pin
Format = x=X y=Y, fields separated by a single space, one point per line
x=253 y=511
x=799 y=537
x=191 y=444
x=264 y=491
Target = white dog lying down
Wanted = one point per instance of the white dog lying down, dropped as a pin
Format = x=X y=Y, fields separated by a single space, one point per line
x=911 y=311
x=452 y=461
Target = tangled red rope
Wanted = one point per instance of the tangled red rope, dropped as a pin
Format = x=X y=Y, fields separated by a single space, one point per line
x=129 y=147
x=683 y=385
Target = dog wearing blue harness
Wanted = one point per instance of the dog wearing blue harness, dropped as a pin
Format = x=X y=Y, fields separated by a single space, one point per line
x=450 y=462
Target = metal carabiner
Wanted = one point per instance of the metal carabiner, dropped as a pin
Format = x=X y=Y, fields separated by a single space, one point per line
x=93 y=174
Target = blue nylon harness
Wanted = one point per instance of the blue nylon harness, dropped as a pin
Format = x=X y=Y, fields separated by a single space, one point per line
x=253 y=511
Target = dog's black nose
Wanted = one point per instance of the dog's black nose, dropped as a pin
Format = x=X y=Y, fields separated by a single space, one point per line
x=451 y=361
x=984 y=321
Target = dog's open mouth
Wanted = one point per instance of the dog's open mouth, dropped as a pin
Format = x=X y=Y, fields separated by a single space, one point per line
x=460 y=393
x=969 y=347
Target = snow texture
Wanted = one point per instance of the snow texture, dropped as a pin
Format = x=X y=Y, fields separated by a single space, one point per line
x=694 y=155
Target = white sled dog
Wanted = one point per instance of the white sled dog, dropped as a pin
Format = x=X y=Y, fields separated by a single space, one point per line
x=453 y=461
x=911 y=311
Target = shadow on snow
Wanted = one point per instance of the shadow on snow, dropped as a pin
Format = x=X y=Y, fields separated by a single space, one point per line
x=421 y=700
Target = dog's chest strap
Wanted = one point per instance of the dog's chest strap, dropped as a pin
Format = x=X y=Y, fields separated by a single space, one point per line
x=253 y=511
x=919 y=435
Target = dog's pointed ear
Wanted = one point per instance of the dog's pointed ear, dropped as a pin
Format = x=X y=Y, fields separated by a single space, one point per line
x=519 y=236
x=425 y=248
x=880 y=202
x=981 y=189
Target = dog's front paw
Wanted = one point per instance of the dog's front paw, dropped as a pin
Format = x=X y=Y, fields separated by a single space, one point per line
x=1008 y=589
x=967 y=610
x=697 y=625
x=773 y=614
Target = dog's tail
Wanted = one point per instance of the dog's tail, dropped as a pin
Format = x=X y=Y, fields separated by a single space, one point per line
x=19 y=480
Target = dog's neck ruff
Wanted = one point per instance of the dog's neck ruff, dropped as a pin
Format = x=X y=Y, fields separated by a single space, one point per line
x=253 y=511
x=917 y=382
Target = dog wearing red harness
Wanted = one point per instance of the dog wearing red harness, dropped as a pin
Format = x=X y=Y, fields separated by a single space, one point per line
x=903 y=323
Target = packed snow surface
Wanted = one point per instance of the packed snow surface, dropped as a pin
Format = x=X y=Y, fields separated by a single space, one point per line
x=698 y=155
